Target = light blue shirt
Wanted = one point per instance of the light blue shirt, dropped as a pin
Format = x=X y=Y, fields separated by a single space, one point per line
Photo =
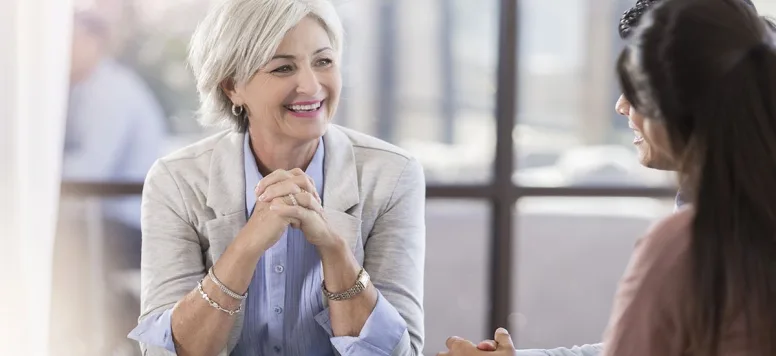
x=115 y=130
x=284 y=311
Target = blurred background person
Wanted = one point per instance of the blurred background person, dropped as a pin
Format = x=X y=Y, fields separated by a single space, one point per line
x=115 y=130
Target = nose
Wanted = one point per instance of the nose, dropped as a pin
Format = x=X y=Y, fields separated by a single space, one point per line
x=308 y=83
x=622 y=106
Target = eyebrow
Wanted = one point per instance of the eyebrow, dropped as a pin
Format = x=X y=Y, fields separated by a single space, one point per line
x=291 y=57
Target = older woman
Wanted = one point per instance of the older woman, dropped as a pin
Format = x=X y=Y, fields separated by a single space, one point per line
x=284 y=235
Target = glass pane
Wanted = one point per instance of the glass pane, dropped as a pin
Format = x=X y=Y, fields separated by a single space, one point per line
x=765 y=7
x=421 y=74
x=456 y=291
x=568 y=133
x=417 y=73
x=570 y=254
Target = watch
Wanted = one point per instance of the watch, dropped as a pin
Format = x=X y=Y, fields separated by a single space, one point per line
x=361 y=283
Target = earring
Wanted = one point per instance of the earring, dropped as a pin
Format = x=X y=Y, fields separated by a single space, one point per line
x=237 y=110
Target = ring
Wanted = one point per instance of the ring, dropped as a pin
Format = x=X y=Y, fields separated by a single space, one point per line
x=293 y=200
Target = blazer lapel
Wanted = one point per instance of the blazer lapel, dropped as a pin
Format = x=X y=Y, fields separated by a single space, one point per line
x=226 y=196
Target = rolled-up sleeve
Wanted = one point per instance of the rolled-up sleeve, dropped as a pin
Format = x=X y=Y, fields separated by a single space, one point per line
x=155 y=330
x=171 y=260
x=380 y=335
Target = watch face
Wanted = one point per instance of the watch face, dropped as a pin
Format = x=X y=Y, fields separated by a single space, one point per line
x=364 y=278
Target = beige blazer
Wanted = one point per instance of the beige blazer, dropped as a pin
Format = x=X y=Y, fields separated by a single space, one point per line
x=374 y=196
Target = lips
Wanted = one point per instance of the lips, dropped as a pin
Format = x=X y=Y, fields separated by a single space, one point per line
x=305 y=109
x=639 y=137
x=305 y=106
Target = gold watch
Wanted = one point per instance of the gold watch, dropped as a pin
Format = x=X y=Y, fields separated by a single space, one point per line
x=361 y=283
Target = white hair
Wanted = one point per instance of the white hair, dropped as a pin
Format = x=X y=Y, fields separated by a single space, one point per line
x=239 y=37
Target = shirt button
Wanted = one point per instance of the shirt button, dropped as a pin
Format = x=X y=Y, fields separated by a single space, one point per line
x=279 y=269
x=278 y=310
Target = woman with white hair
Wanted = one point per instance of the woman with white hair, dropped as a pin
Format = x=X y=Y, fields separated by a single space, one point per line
x=285 y=234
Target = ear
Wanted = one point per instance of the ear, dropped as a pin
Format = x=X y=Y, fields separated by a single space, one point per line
x=230 y=89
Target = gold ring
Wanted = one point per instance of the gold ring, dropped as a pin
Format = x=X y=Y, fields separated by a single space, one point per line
x=293 y=200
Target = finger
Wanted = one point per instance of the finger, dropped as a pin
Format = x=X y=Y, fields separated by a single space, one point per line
x=308 y=200
x=487 y=345
x=315 y=190
x=306 y=183
x=279 y=189
x=278 y=175
x=503 y=339
x=451 y=341
x=455 y=343
x=290 y=212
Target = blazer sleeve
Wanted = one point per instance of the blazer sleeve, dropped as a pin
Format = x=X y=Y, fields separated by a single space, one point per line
x=394 y=254
x=171 y=260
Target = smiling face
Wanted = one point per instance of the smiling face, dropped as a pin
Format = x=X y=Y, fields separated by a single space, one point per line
x=295 y=95
x=650 y=137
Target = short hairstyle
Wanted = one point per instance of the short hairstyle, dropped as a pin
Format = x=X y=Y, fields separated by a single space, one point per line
x=239 y=37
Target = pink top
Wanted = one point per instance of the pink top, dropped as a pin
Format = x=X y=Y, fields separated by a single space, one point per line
x=647 y=314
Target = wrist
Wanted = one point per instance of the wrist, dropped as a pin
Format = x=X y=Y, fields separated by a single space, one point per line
x=335 y=248
x=251 y=243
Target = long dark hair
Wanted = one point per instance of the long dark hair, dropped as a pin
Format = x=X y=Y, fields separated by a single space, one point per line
x=707 y=70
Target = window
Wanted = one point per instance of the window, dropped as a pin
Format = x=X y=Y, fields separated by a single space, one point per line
x=509 y=107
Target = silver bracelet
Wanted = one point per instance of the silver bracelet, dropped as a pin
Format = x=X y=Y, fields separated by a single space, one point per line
x=223 y=288
x=214 y=304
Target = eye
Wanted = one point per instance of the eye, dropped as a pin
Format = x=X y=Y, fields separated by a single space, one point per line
x=283 y=69
x=324 y=62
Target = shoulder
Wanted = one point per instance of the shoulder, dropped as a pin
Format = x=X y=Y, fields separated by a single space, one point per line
x=377 y=157
x=671 y=234
x=194 y=160
x=662 y=255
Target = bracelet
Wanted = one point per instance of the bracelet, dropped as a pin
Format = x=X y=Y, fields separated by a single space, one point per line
x=213 y=303
x=223 y=288
x=362 y=281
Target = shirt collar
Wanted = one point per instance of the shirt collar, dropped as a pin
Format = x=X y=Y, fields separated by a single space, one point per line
x=252 y=175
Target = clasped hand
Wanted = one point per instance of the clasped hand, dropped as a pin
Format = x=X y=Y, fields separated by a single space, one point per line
x=304 y=211
x=501 y=345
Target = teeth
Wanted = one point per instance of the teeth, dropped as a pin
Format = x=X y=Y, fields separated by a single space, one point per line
x=310 y=107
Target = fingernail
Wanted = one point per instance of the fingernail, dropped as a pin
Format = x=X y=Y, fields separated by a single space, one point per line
x=502 y=330
x=262 y=197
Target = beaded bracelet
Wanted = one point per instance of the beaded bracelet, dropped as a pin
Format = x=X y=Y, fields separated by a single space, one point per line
x=213 y=303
